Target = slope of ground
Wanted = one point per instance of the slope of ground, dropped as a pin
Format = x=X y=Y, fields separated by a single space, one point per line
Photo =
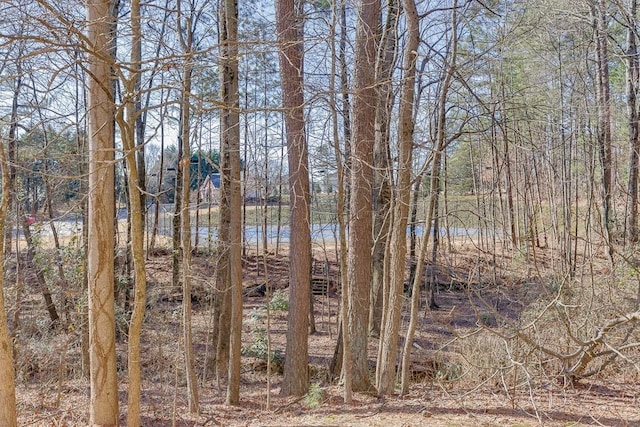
x=52 y=391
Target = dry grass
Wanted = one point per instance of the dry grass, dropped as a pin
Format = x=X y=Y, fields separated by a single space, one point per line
x=468 y=366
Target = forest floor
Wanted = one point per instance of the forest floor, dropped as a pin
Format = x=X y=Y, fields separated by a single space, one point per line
x=52 y=391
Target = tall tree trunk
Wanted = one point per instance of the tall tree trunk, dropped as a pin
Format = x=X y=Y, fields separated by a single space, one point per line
x=222 y=302
x=230 y=130
x=290 y=27
x=184 y=163
x=343 y=349
x=12 y=154
x=178 y=201
x=440 y=147
x=81 y=149
x=565 y=236
x=185 y=244
x=141 y=125
x=128 y=122
x=11 y=151
x=345 y=91
x=8 y=414
x=503 y=124
x=633 y=74
x=381 y=161
x=390 y=331
x=511 y=207
x=360 y=220
x=599 y=15
x=103 y=408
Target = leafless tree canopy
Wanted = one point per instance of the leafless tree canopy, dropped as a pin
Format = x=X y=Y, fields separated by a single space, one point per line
x=433 y=189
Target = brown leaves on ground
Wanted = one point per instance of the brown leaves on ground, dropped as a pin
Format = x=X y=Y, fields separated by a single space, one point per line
x=54 y=393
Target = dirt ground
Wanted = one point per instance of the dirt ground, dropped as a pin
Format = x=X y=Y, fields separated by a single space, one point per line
x=52 y=391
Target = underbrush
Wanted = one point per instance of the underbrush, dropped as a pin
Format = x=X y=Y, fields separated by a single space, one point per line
x=48 y=357
x=513 y=338
x=575 y=330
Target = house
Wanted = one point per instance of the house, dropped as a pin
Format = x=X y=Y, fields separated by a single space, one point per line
x=210 y=189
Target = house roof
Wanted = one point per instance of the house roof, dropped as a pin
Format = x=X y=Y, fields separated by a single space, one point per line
x=214 y=178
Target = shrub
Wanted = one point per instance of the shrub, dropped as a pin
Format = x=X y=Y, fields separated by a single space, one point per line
x=279 y=302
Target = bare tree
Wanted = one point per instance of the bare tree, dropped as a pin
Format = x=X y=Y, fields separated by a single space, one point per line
x=289 y=27
x=342 y=353
x=599 y=15
x=8 y=414
x=434 y=189
x=127 y=118
x=230 y=154
x=186 y=41
x=398 y=245
x=632 y=75
x=229 y=132
x=360 y=220
x=382 y=173
x=12 y=141
x=103 y=408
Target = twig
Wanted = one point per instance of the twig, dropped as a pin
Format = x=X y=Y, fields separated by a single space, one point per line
x=286 y=405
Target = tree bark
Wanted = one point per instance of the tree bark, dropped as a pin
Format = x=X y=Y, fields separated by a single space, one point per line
x=296 y=368
x=184 y=164
x=599 y=16
x=127 y=121
x=441 y=143
x=339 y=363
x=222 y=302
x=390 y=331
x=11 y=151
x=231 y=137
x=381 y=159
x=633 y=74
x=103 y=409
x=360 y=220
x=8 y=414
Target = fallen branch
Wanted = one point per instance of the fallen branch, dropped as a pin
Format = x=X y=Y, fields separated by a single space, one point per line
x=575 y=370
